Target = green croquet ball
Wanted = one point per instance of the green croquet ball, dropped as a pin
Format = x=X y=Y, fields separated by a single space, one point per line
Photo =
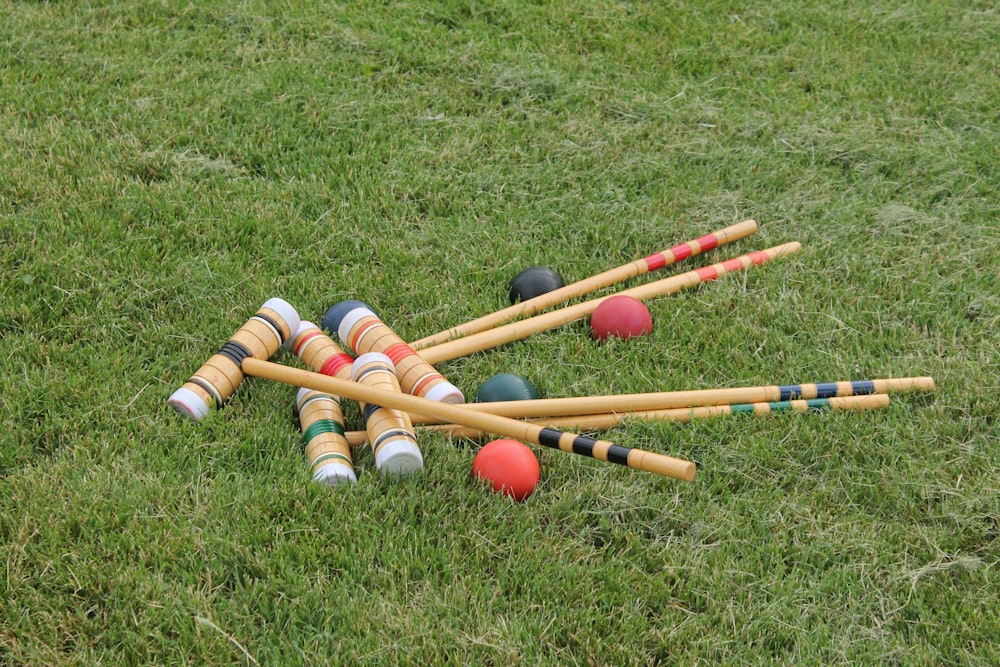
x=506 y=387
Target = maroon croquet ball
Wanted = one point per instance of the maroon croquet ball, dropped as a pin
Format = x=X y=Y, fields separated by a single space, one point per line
x=620 y=316
x=509 y=466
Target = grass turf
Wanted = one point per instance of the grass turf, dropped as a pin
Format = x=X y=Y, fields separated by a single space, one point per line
x=167 y=167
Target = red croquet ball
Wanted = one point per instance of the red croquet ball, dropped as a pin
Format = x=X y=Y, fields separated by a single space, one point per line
x=621 y=316
x=510 y=467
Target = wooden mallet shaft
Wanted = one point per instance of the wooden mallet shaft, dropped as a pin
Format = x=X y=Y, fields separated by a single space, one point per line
x=513 y=331
x=666 y=400
x=619 y=274
x=682 y=415
x=659 y=464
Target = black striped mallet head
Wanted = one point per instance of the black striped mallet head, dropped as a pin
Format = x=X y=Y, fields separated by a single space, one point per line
x=271 y=327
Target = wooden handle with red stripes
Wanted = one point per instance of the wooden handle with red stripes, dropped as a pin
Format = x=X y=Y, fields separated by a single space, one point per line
x=619 y=274
x=522 y=329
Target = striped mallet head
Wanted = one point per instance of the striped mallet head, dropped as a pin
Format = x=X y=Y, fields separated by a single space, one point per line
x=390 y=431
x=361 y=330
x=319 y=353
x=326 y=448
x=217 y=380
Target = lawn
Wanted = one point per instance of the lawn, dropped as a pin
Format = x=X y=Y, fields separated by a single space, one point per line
x=167 y=167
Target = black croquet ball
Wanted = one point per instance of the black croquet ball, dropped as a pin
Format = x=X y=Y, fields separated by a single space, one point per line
x=534 y=281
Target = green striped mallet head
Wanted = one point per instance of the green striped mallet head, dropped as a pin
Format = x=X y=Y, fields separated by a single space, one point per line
x=326 y=448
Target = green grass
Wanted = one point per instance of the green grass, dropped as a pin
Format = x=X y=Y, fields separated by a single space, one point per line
x=167 y=167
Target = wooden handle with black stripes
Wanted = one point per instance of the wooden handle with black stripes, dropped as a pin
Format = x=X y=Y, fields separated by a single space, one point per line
x=602 y=450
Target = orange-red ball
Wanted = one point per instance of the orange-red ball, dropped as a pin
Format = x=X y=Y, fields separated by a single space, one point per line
x=620 y=316
x=510 y=467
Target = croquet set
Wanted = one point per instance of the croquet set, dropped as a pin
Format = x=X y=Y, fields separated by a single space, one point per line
x=401 y=394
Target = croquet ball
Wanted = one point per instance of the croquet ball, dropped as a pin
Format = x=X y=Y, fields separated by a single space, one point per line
x=534 y=281
x=620 y=316
x=510 y=467
x=506 y=387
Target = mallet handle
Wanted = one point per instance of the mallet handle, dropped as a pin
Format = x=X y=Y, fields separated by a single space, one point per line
x=660 y=464
x=603 y=421
x=639 y=267
x=485 y=340
x=666 y=400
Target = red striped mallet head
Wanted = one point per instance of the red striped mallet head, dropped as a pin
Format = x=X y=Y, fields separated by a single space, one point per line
x=361 y=330
x=319 y=353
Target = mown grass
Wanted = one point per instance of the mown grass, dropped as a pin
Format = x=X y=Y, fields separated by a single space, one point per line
x=167 y=167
